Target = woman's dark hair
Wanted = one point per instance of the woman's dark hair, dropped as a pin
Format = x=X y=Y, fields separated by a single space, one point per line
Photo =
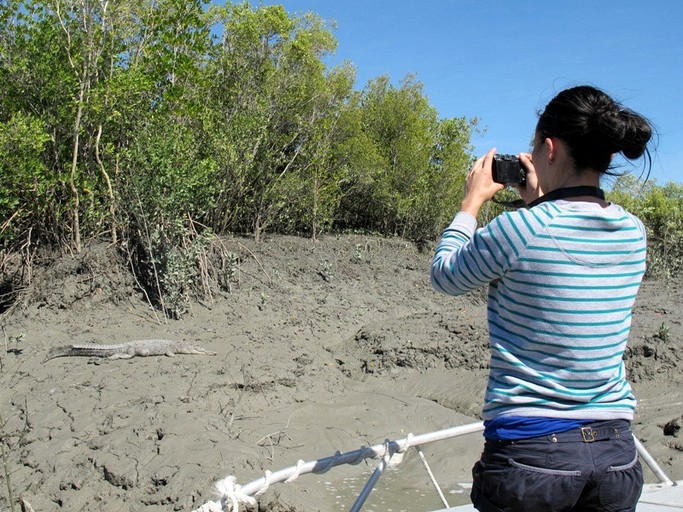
x=594 y=127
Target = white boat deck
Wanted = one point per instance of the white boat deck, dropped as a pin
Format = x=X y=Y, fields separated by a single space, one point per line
x=655 y=498
x=661 y=498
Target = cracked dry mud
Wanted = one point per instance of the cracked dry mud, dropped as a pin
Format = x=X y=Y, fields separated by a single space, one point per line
x=321 y=346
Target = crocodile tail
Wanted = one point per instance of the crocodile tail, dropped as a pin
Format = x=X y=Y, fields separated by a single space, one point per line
x=59 y=352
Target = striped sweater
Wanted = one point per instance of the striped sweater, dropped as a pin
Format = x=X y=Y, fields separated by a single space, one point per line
x=563 y=277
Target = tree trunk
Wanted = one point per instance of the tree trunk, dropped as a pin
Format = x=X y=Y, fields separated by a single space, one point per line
x=74 y=166
x=110 y=190
x=257 y=228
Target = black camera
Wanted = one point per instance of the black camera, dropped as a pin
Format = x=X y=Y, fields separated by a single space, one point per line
x=508 y=170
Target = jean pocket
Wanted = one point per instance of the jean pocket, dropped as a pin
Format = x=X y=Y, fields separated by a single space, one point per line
x=624 y=467
x=621 y=485
x=543 y=471
x=523 y=486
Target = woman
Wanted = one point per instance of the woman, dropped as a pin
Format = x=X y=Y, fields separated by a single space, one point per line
x=563 y=274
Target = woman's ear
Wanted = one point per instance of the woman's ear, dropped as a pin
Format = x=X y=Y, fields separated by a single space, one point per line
x=550 y=149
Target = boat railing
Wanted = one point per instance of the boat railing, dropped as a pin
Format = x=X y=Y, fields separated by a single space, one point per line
x=231 y=495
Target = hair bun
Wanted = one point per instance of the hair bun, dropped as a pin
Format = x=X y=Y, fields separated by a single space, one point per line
x=620 y=129
x=637 y=133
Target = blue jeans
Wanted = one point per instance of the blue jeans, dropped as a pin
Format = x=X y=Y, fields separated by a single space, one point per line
x=595 y=468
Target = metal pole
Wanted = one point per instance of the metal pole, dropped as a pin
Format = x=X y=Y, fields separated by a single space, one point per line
x=652 y=463
x=373 y=479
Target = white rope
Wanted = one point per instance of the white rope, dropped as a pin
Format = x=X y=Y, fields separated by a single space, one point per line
x=230 y=492
x=234 y=494
x=398 y=455
x=229 y=489
x=407 y=444
x=431 y=476
x=266 y=483
x=297 y=471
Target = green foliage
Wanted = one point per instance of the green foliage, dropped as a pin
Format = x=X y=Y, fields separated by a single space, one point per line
x=157 y=122
x=661 y=210
x=178 y=272
x=163 y=203
x=272 y=117
x=178 y=180
x=663 y=333
x=161 y=122
x=27 y=187
x=409 y=167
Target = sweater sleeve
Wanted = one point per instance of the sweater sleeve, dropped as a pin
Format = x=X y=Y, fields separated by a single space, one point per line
x=467 y=258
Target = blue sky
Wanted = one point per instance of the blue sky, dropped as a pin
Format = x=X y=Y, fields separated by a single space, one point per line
x=502 y=61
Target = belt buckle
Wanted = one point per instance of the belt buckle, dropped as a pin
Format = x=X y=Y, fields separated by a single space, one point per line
x=588 y=434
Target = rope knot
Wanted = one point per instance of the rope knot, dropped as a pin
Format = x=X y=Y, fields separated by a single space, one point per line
x=230 y=491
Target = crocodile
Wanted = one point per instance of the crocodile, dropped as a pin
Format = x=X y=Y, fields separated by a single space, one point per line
x=129 y=349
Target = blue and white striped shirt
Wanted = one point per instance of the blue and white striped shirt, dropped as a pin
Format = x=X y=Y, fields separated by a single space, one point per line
x=563 y=277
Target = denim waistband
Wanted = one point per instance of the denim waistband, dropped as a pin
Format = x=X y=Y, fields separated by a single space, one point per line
x=597 y=431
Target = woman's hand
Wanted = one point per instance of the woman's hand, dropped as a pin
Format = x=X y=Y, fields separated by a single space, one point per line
x=479 y=185
x=531 y=190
